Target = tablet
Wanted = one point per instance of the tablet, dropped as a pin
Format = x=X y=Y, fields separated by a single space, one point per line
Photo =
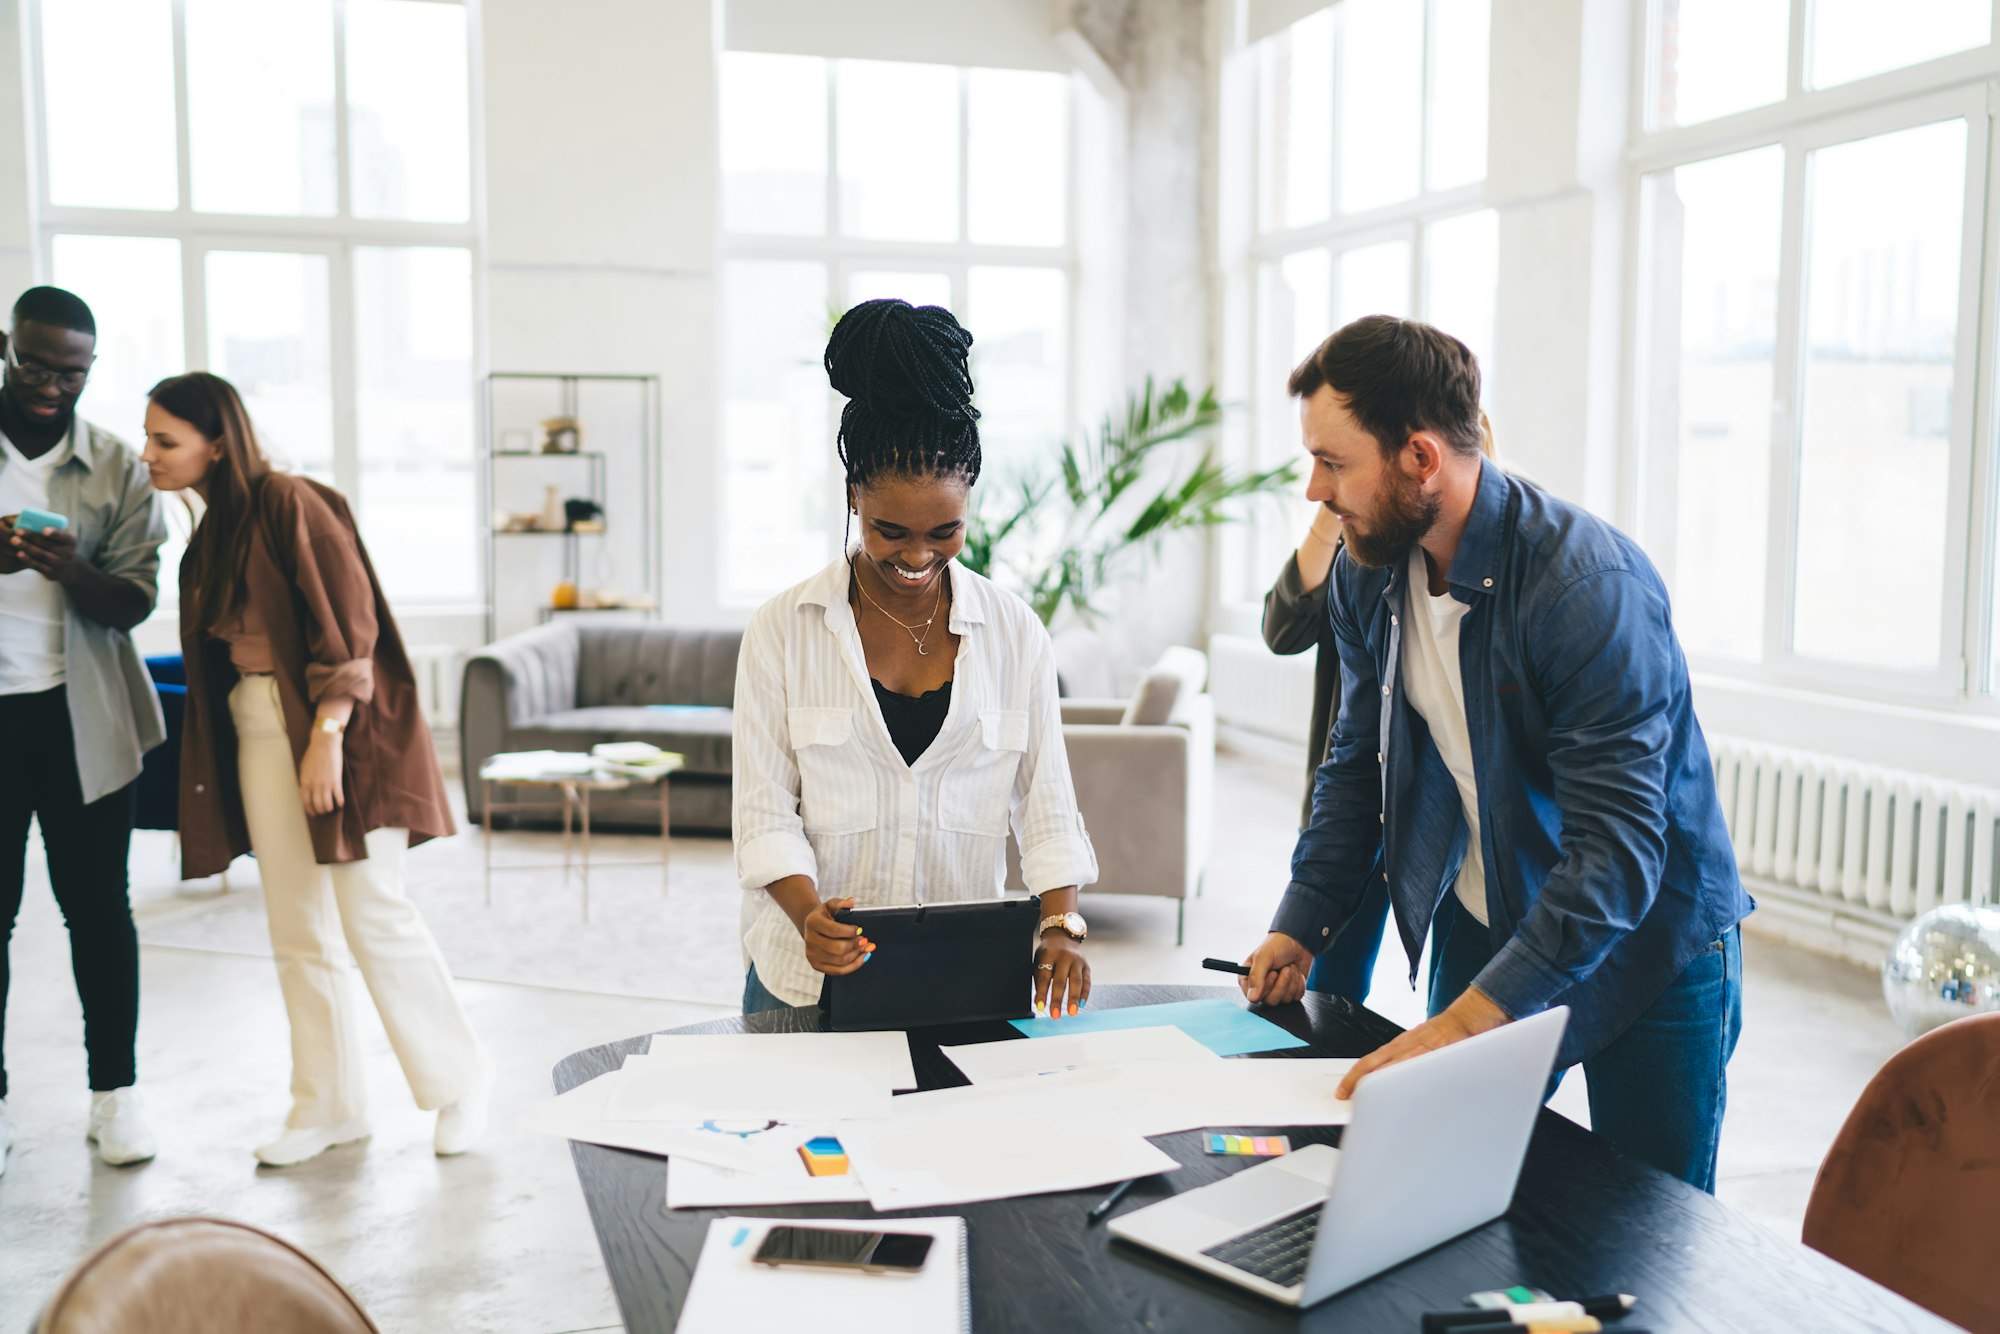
x=938 y=963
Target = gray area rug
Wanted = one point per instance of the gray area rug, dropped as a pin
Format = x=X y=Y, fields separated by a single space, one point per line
x=682 y=944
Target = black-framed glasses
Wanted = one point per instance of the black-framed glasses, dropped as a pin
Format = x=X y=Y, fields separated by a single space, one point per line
x=35 y=377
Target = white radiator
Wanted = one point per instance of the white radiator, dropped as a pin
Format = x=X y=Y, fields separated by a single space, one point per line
x=438 y=668
x=1258 y=690
x=1853 y=849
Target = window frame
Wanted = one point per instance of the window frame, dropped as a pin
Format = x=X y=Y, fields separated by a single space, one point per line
x=336 y=236
x=842 y=256
x=1962 y=85
x=1240 y=582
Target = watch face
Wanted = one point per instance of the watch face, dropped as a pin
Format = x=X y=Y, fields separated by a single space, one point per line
x=1073 y=923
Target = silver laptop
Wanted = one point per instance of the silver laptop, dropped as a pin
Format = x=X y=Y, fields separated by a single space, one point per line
x=1433 y=1151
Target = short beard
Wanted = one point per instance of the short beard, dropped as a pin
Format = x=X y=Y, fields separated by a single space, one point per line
x=1404 y=512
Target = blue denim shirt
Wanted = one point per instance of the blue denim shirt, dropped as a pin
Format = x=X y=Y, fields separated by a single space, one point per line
x=1608 y=867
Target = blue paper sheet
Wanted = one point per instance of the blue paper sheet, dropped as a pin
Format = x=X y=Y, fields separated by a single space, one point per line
x=1222 y=1026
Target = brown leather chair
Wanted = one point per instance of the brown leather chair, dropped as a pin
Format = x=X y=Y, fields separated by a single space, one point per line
x=201 y=1276
x=1909 y=1194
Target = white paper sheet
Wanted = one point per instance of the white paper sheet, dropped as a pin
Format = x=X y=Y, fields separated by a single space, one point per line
x=986 y=1061
x=778 y=1076
x=885 y=1054
x=923 y=1163
x=1152 y=1097
x=579 y=1115
x=731 y=1293
x=777 y=1176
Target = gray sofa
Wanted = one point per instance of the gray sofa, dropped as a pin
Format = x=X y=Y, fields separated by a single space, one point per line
x=1145 y=783
x=571 y=684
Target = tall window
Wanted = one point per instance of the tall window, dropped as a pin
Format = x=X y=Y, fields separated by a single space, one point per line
x=1370 y=148
x=1813 y=185
x=280 y=194
x=844 y=180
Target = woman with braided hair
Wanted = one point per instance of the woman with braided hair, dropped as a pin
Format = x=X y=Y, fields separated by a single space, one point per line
x=896 y=713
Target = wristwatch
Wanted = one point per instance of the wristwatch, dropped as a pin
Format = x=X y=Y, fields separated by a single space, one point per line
x=1070 y=924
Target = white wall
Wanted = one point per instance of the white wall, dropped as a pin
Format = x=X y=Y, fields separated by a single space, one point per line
x=1007 y=34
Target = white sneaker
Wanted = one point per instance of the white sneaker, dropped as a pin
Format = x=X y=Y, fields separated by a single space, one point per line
x=461 y=1123
x=6 y=1135
x=118 y=1127
x=299 y=1143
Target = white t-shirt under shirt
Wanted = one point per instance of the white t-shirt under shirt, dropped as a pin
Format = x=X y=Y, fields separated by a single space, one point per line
x=1435 y=685
x=31 y=607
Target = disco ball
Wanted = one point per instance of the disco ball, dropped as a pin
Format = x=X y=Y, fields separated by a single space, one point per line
x=1945 y=966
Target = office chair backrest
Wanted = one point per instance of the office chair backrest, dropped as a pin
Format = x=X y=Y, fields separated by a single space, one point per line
x=1909 y=1194
x=187 y=1275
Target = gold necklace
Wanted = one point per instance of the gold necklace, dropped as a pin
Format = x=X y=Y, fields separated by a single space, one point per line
x=908 y=629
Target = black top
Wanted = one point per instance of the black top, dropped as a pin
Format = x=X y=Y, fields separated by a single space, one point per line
x=913 y=722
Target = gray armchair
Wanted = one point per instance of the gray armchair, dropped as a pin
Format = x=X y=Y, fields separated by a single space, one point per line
x=569 y=685
x=1147 y=797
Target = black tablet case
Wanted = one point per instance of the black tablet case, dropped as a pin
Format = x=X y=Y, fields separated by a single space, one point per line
x=938 y=963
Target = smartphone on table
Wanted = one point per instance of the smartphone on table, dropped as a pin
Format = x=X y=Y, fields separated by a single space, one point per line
x=842 y=1248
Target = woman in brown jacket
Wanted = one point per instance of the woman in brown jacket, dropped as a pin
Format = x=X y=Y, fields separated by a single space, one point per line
x=304 y=743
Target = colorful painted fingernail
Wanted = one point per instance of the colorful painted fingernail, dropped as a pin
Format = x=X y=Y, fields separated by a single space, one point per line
x=1073 y=1008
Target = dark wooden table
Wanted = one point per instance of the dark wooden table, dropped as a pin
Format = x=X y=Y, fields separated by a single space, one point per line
x=1585 y=1220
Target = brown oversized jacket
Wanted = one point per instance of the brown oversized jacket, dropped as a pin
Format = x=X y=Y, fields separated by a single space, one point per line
x=311 y=582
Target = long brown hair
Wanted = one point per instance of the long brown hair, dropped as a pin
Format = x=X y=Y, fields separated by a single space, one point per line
x=221 y=539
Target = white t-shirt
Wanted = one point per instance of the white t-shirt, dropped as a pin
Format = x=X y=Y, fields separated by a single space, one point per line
x=1435 y=685
x=31 y=607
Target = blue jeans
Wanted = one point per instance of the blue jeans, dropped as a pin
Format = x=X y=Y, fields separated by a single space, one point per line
x=1347 y=966
x=1657 y=1090
x=757 y=997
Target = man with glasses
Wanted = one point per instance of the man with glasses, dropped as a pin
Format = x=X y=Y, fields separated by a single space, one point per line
x=77 y=710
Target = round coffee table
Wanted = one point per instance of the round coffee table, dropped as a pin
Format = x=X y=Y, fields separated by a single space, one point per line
x=572 y=786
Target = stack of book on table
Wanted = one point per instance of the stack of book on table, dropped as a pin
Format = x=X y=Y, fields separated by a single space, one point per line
x=635 y=759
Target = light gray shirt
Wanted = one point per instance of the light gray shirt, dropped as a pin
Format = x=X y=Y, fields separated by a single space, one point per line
x=114 y=712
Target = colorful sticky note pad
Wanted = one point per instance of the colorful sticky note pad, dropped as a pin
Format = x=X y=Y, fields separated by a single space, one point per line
x=824 y=1157
x=1254 y=1146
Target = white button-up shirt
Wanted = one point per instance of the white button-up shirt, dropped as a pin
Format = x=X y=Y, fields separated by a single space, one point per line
x=820 y=790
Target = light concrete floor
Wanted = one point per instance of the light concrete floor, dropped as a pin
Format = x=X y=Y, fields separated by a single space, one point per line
x=499 y=1240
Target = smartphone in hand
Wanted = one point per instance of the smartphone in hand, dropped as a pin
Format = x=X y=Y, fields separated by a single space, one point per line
x=35 y=521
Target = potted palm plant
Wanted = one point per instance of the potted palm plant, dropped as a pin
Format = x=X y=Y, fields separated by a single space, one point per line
x=1087 y=514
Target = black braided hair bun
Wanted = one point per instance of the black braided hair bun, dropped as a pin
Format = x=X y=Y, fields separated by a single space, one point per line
x=904 y=372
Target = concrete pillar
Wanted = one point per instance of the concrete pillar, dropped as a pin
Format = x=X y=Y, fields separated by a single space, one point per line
x=600 y=202
x=1560 y=72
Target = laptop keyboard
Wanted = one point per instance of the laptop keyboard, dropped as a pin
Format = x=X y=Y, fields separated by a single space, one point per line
x=1276 y=1252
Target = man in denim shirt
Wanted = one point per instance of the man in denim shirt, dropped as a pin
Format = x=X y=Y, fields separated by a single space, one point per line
x=1515 y=717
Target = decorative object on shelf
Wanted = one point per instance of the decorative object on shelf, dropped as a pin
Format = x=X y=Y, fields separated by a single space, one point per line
x=564 y=597
x=561 y=435
x=1944 y=966
x=597 y=522
x=1079 y=519
x=610 y=599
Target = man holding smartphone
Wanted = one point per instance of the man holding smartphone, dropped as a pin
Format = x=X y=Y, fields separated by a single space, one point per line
x=77 y=709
